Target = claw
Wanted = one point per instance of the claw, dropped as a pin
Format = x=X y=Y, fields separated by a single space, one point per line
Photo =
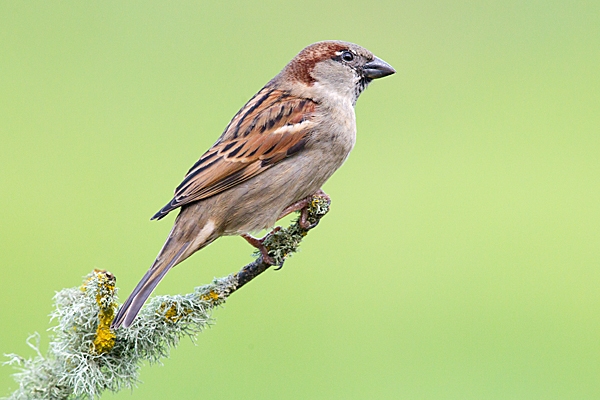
x=258 y=244
x=279 y=267
x=303 y=222
x=302 y=206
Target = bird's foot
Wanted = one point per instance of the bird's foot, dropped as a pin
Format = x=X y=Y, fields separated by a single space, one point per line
x=302 y=206
x=259 y=245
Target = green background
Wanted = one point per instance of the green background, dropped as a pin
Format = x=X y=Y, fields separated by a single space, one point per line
x=461 y=258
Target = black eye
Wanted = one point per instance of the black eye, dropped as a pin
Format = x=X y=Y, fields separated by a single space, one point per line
x=347 y=56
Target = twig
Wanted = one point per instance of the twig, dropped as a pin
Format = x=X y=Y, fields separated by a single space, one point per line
x=86 y=357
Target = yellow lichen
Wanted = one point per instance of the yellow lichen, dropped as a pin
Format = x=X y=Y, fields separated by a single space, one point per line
x=171 y=314
x=105 y=338
x=210 y=296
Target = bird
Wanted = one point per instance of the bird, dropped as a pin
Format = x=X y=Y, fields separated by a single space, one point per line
x=275 y=153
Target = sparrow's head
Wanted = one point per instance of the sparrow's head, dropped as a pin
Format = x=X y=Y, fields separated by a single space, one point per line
x=336 y=67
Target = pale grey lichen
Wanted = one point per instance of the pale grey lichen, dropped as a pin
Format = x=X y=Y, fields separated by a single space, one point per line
x=84 y=360
x=282 y=243
x=85 y=357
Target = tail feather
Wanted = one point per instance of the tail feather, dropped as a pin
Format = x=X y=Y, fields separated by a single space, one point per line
x=130 y=309
x=190 y=233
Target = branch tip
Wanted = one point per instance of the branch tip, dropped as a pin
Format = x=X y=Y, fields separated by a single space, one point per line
x=86 y=357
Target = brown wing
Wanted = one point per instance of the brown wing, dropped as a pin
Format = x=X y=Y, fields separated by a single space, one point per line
x=273 y=125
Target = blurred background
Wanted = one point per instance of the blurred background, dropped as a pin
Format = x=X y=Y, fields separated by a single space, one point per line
x=461 y=258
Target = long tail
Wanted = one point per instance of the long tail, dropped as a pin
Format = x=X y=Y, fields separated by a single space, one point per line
x=160 y=267
x=185 y=238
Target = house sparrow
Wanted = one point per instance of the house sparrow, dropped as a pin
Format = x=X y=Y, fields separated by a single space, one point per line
x=276 y=152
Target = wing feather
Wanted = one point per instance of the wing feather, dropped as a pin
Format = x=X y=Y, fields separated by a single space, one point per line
x=273 y=125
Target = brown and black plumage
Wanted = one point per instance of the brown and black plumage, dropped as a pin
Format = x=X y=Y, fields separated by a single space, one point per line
x=278 y=149
x=272 y=126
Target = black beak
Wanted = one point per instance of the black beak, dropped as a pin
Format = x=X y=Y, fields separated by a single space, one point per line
x=377 y=69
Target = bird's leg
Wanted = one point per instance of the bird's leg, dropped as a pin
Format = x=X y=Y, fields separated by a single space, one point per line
x=302 y=206
x=258 y=244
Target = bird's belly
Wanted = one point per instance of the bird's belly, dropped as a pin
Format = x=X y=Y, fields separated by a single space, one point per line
x=256 y=204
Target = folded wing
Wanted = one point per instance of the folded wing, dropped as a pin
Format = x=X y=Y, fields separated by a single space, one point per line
x=272 y=126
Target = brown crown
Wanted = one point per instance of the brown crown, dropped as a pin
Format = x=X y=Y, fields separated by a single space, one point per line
x=301 y=66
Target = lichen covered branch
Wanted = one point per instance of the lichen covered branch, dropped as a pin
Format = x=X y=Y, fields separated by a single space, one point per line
x=86 y=358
